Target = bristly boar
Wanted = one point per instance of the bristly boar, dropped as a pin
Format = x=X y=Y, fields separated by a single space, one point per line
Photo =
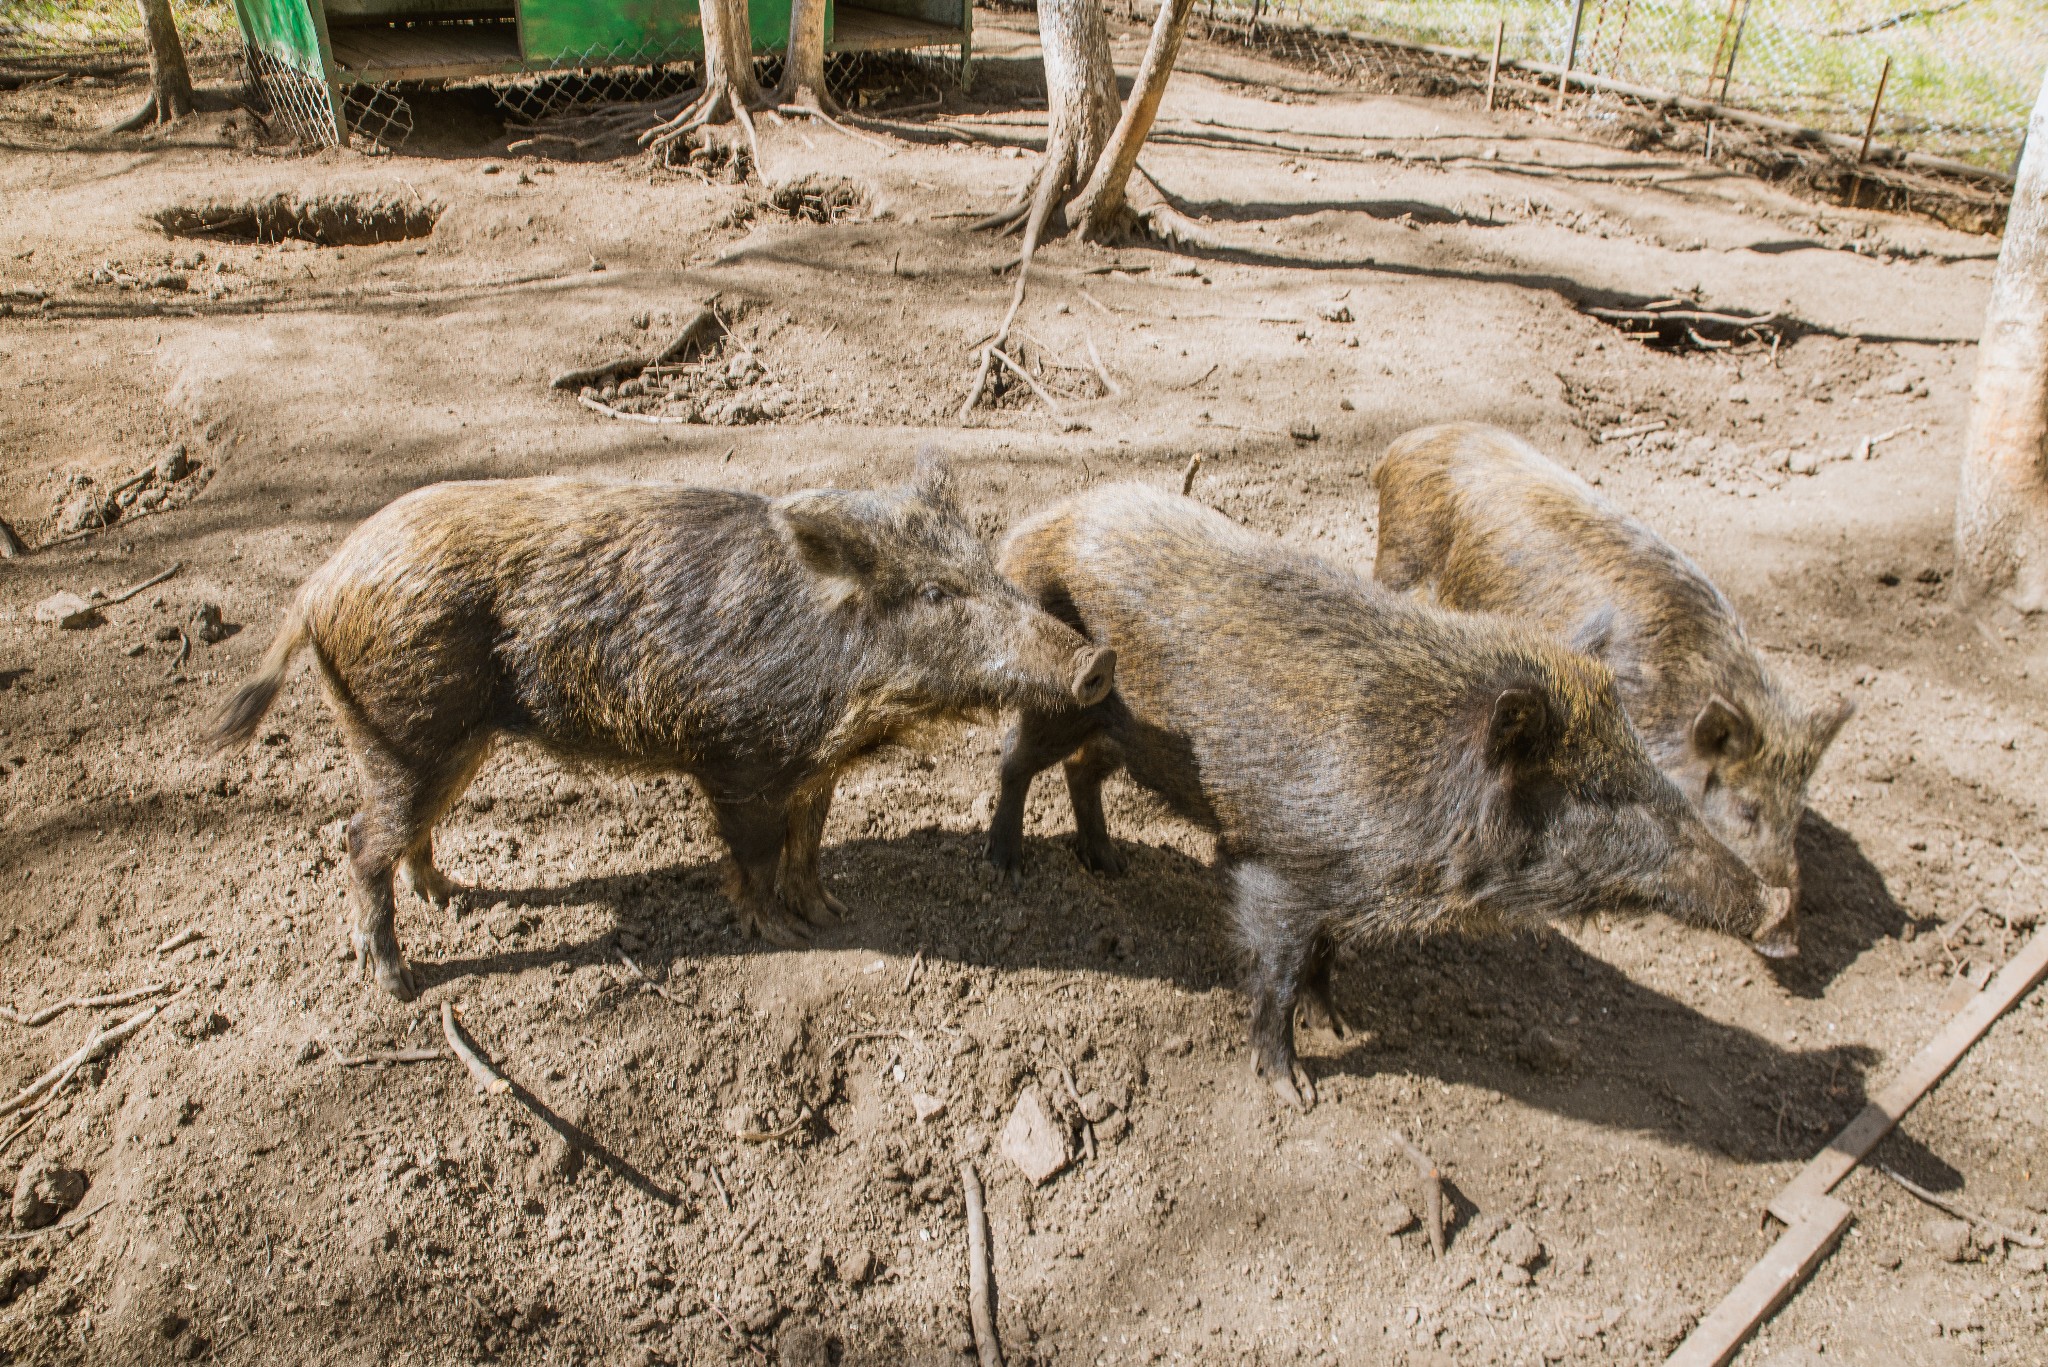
x=760 y=646
x=1477 y=519
x=1372 y=767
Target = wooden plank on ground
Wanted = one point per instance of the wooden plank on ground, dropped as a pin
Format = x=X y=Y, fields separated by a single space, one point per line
x=1717 y=1338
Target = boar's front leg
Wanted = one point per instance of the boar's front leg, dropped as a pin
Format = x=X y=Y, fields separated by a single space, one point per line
x=1038 y=741
x=425 y=879
x=1097 y=760
x=755 y=829
x=802 y=887
x=1281 y=935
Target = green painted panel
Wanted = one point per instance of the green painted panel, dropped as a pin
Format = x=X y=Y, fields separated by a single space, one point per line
x=769 y=19
x=607 y=31
x=284 y=29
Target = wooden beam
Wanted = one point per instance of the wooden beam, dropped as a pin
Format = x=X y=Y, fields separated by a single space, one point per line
x=1719 y=1336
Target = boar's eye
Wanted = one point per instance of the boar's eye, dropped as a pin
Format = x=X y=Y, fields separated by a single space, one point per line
x=935 y=593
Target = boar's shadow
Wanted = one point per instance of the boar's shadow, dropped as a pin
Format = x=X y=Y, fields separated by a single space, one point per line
x=1845 y=907
x=1535 y=1017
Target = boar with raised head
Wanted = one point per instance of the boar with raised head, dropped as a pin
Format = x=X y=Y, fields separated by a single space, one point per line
x=1477 y=519
x=758 y=645
x=1371 y=767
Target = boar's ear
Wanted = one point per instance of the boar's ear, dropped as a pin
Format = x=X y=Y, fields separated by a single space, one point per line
x=1824 y=723
x=1722 y=731
x=1519 y=731
x=824 y=537
x=933 y=480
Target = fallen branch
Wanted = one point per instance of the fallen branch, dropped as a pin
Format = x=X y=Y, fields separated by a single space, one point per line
x=1695 y=316
x=1026 y=376
x=1187 y=476
x=180 y=940
x=101 y=1041
x=1432 y=1189
x=981 y=1287
x=125 y=594
x=692 y=334
x=1960 y=1211
x=51 y=1012
x=487 y=1079
x=65 y=1228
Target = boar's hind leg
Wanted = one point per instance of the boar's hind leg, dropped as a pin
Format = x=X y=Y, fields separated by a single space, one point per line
x=1097 y=760
x=395 y=826
x=803 y=889
x=1315 y=987
x=425 y=879
x=1038 y=741
x=755 y=830
x=1281 y=938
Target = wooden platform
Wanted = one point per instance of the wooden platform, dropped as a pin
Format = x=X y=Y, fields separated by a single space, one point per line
x=458 y=51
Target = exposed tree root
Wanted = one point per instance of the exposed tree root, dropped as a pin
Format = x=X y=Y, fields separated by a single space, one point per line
x=1055 y=178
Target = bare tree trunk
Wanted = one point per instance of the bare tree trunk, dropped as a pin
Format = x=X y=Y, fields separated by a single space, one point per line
x=803 y=65
x=1102 y=208
x=730 y=90
x=2002 y=500
x=170 y=81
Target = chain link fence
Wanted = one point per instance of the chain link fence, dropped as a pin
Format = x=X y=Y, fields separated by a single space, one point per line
x=1959 y=76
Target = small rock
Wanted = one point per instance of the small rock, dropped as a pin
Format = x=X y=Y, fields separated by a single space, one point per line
x=798 y=1344
x=856 y=1268
x=172 y=463
x=1515 y=1276
x=83 y=512
x=173 y=281
x=1095 y=1108
x=1175 y=1046
x=1336 y=311
x=927 y=1107
x=209 y=626
x=1112 y=1128
x=67 y=611
x=1803 y=462
x=1546 y=1051
x=310 y=1050
x=1394 y=1217
x=1948 y=1239
x=760 y=1313
x=1032 y=1141
x=1519 y=1247
x=558 y=1160
x=742 y=1120
x=491 y=168
x=44 y=1191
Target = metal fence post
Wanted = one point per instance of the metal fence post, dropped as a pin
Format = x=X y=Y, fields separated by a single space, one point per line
x=1571 y=52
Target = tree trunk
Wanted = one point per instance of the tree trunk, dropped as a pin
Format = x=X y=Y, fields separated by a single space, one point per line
x=1102 y=209
x=803 y=66
x=1080 y=96
x=170 y=82
x=2002 y=500
x=729 y=51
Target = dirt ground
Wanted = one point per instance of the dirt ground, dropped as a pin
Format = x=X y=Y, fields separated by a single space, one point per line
x=1628 y=1094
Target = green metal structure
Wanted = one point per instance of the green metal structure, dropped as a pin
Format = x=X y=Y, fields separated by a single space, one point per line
x=325 y=63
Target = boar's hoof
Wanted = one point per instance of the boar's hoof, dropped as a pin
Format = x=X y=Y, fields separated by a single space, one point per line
x=1094 y=675
x=1322 y=1012
x=1779 y=937
x=1006 y=856
x=820 y=908
x=431 y=885
x=1100 y=857
x=387 y=967
x=1291 y=1084
x=776 y=926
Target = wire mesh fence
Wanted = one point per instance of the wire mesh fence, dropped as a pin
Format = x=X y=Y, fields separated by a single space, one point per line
x=1959 y=76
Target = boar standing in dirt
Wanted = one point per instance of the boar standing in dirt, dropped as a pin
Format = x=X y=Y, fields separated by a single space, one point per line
x=1479 y=520
x=1372 y=767
x=758 y=645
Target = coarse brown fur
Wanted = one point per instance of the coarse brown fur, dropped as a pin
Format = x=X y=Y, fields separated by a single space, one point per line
x=1477 y=519
x=1372 y=767
x=760 y=646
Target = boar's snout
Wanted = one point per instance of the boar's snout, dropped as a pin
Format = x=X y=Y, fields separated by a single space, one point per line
x=1778 y=937
x=1094 y=674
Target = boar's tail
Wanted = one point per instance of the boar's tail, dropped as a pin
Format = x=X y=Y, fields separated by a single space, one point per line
x=237 y=722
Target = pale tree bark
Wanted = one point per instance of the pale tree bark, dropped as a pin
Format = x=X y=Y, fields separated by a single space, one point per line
x=730 y=90
x=803 y=65
x=2002 y=499
x=170 y=81
x=1103 y=209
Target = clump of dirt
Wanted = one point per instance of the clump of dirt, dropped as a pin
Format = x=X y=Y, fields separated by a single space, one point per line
x=326 y=221
x=821 y=199
x=719 y=380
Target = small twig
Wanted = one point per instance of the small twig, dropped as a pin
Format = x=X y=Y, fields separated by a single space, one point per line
x=1102 y=371
x=981 y=1286
x=392 y=1056
x=180 y=940
x=486 y=1077
x=845 y=1041
x=803 y=1117
x=1960 y=1211
x=1432 y=1189
x=718 y=1180
x=1026 y=376
x=598 y=406
x=916 y=962
x=1703 y=343
x=1641 y=429
x=51 y=1012
x=641 y=974
x=1187 y=476
x=125 y=594
x=1656 y=315
x=184 y=651
x=1073 y=1095
x=100 y=1042
x=123 y=523
x=65 y=1228
x=1106 y=309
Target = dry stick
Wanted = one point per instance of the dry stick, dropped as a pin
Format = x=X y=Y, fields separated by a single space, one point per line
x=1028 y=378
x=391 y=1056
x=718 y=1180
x=652 y=420
x=691 y=332
x=50 y=1013
x=981 y=1286
x=641 y=973
x=184 y=651
x=1432 y=1189
x=126 y=519
x=1960 y=1211
x=100 y=1042
x=1643 y=429
x=770 y=1136
x=1102 y=371
x=1106 y=309
x=180 y=940
x=64 y=1228
x=846 y=1040
x=125 y=594
x=1680 y=316
x=486 y=1077
x=1500 y=30
x=916 y=962
x=1187 y=476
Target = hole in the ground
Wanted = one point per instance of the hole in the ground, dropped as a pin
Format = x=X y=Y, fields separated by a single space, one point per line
x=327 y=221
